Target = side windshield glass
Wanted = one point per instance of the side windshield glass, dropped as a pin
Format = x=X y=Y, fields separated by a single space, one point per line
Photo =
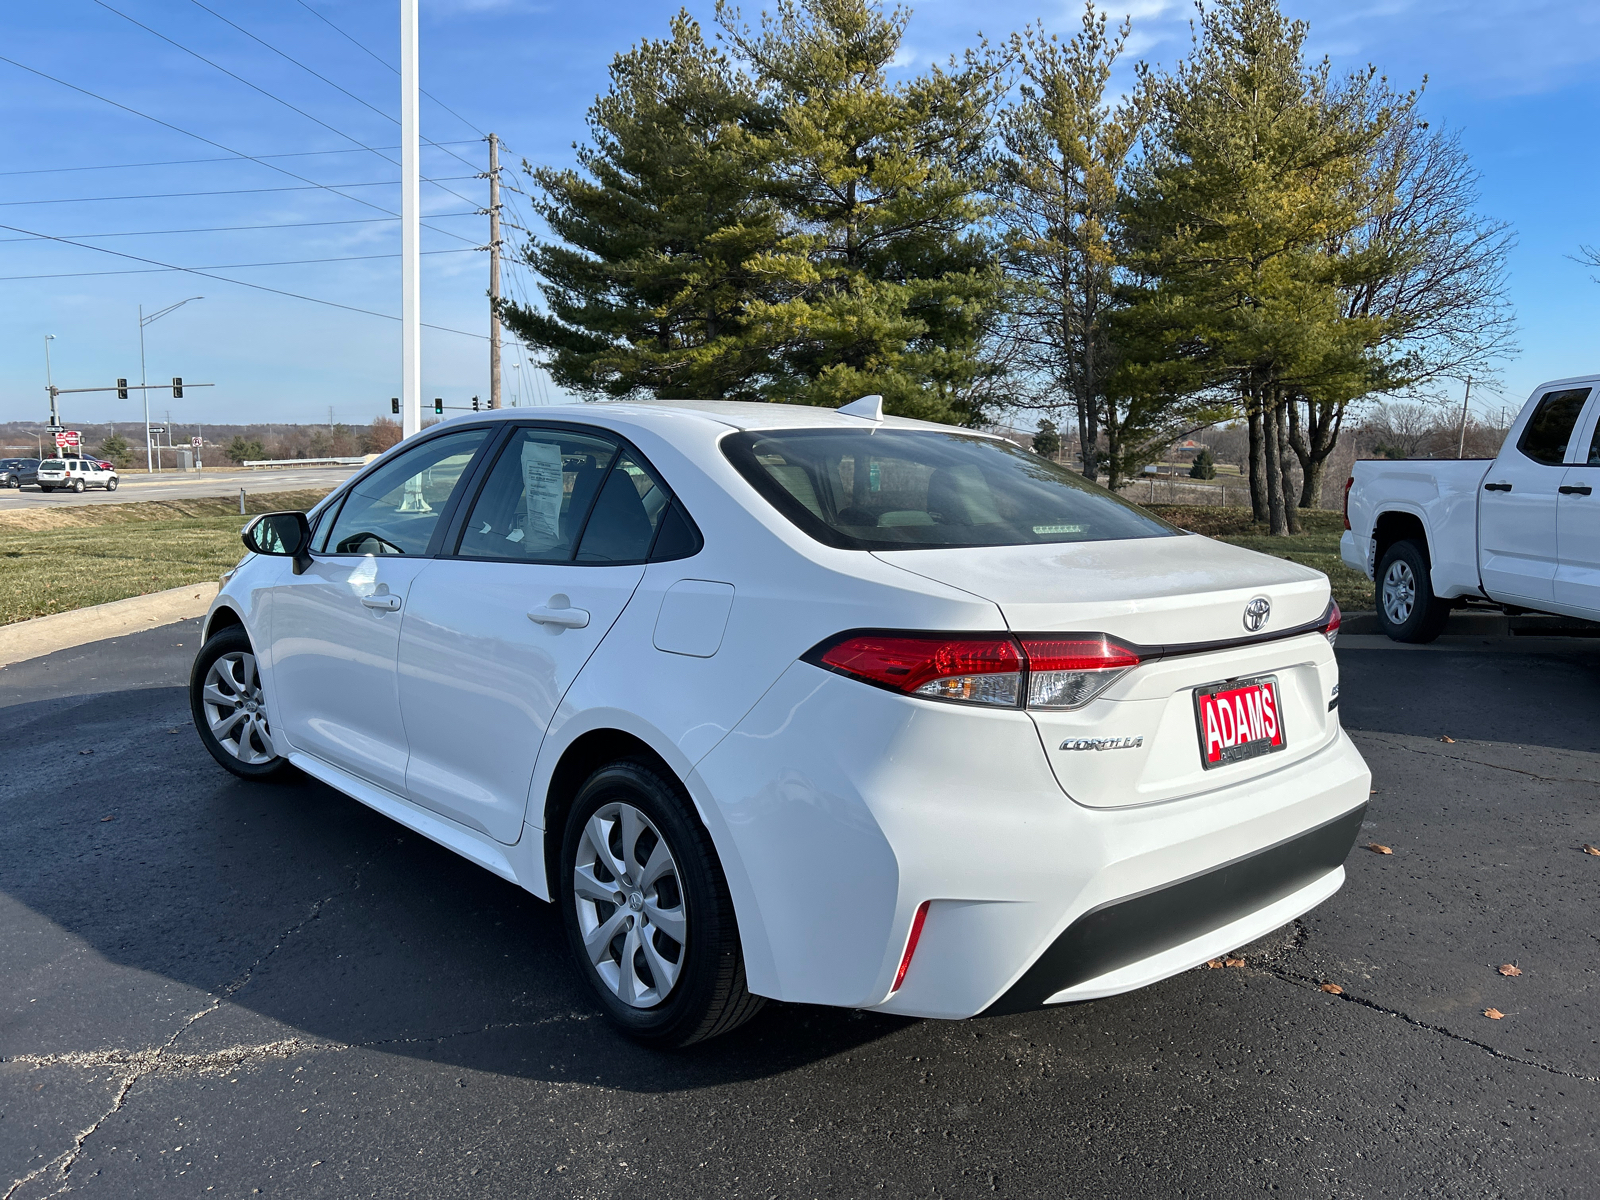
x=1548 y=431
x=396 y=508
x=895 y=489
x=534 y=503
x=625 y=517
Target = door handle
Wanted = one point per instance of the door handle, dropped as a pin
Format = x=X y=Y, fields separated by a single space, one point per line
x=1580 y=489
x=560 y=614
x=1497 y=487
x=388 y=602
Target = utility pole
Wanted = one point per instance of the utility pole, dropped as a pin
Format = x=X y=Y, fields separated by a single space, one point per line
x=410 y=232
x=494 y=271
x=1461 y=450
x=49 y=381
x=144 y=387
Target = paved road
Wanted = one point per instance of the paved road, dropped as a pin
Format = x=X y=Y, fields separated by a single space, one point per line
x=213 y=988
x=180 y=485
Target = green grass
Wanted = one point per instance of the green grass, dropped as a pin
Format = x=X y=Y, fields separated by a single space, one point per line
x=1317 y=546
x=56 y=559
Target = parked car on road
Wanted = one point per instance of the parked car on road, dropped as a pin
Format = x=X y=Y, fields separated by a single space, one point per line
x=75 y=474
x=16 y=472
x=1522 y=530
x=816 y=705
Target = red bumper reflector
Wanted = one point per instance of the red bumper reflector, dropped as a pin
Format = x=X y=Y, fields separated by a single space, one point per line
x=911 y=945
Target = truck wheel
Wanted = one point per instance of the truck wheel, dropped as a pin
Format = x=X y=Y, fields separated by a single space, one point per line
x=647 y=910
x=1407 y=608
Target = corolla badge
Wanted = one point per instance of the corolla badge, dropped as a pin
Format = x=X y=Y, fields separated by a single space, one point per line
x=1256 y=613
x=1112 y=743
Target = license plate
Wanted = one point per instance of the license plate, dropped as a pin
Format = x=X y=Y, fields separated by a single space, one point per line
x=1238 y=719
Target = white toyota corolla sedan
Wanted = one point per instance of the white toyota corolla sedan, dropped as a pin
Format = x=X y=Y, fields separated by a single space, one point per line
x=786 y=702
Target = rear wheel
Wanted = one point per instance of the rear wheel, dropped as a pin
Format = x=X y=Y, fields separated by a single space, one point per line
x=77 y=485
x=229 y=708
x=44 y=488
x=1407 y=608
x=647 y=910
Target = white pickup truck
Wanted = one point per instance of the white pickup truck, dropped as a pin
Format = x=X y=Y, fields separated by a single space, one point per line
x=1522 y=531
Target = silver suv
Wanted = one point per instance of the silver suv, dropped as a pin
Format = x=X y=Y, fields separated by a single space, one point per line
x=75 y=474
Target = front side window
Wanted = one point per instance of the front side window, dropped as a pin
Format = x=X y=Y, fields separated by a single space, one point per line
x=1545 y=437
x=898 y=489
x=396 y=509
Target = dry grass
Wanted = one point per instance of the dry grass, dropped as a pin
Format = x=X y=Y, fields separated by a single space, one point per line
x=1317 y=546
x=56 y=559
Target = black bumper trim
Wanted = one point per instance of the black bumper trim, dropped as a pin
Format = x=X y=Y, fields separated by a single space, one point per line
x=1125 y=931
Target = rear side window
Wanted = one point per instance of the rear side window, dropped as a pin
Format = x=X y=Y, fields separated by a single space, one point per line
x=537 y=497
x=897 y=489
x=1594 y=446
x=1544 y=439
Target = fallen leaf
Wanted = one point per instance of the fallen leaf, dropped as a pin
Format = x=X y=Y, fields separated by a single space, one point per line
x=1510 y=969
x=172 y=731
x=1494 y=1014
x=1378 y=849
x=1233 y=962
x=1214 y=963
x=1373 y=792
x=1588 y=849
x=85 y=751
x=1448 y=738
x=113 y=817
x=1333 y=989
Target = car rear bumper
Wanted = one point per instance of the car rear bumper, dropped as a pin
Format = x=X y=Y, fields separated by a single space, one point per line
x=842 y=809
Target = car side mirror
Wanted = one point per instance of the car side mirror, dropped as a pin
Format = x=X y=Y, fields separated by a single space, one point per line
x=281 y=535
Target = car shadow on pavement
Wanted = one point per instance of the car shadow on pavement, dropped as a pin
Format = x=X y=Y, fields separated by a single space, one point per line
x=313 y=916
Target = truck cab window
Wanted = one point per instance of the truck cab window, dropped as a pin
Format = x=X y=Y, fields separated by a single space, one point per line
x=1550 y=428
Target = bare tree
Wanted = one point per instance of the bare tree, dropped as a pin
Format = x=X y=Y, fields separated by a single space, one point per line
x=1064 y=148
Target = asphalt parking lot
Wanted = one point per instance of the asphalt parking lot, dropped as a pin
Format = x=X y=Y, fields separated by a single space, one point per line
x=214 y=988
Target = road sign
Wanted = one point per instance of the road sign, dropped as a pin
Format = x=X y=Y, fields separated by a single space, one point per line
x=155 y=429
x=194 y=441
x=68 y=439
x=55 y=428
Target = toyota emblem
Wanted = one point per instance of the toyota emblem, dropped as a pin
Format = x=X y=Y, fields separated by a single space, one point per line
x=1256 y=613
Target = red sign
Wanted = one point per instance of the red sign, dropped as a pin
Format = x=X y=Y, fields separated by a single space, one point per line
x=1238 y=722
x=69 y=439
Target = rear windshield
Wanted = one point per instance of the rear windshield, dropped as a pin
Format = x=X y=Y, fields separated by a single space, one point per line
x=896 y=489
x=52 y=464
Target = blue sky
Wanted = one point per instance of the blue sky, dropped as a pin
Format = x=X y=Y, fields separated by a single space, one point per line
x=1516 y=79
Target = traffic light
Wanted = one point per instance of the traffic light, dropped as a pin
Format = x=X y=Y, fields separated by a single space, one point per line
x=122 y=389
x=394 y=405
x=474 y=404
x=177 y=387
x=438 y=406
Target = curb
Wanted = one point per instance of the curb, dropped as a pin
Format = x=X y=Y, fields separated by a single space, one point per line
x=62 y=631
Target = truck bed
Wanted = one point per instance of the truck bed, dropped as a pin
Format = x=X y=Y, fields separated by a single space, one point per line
x=1439 y=493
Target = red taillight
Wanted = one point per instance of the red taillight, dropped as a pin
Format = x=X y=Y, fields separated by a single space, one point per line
x=1061 y=672
x=1331 y=620
x=980 y=670
x=911 y=945
x=1347 y=484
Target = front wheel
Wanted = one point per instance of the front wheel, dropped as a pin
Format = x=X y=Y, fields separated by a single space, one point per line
x=111 y=485
x=229 y=708
x=647 y=910
x=1407 y=608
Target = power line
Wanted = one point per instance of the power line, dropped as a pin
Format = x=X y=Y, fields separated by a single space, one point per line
x=257 y=88
x=293 y=262
x=210 y=142
x=223 y=192
x=237 y=228
x=184 y=162
x=391 y=66
x=260 y=287
x=317 y=74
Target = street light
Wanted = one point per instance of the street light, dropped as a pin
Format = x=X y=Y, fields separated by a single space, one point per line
x=49 y=383
x=144 y=391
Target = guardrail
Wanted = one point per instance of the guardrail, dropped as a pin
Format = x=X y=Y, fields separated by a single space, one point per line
x=357 y=461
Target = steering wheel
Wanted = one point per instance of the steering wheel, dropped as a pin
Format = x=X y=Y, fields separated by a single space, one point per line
x=354 y=543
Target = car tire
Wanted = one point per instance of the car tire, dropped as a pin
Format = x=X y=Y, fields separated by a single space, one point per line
x=43 y=488
x=685 y=895
x=77 y=485
x=239 y=737
x=1408 y=610
x=111 y=485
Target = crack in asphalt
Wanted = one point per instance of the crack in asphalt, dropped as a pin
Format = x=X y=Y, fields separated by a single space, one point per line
x=1399 y=744
x=140 y=1064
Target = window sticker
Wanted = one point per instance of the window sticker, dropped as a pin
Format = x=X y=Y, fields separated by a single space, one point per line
x=542 y=488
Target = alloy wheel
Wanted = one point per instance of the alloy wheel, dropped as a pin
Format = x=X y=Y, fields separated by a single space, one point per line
x=1399 y=592
x=235 y=710
x=630 y=904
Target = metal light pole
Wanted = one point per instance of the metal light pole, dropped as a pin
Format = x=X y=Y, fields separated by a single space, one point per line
x=49 y=383
x=410 y=232
x=144 y=390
